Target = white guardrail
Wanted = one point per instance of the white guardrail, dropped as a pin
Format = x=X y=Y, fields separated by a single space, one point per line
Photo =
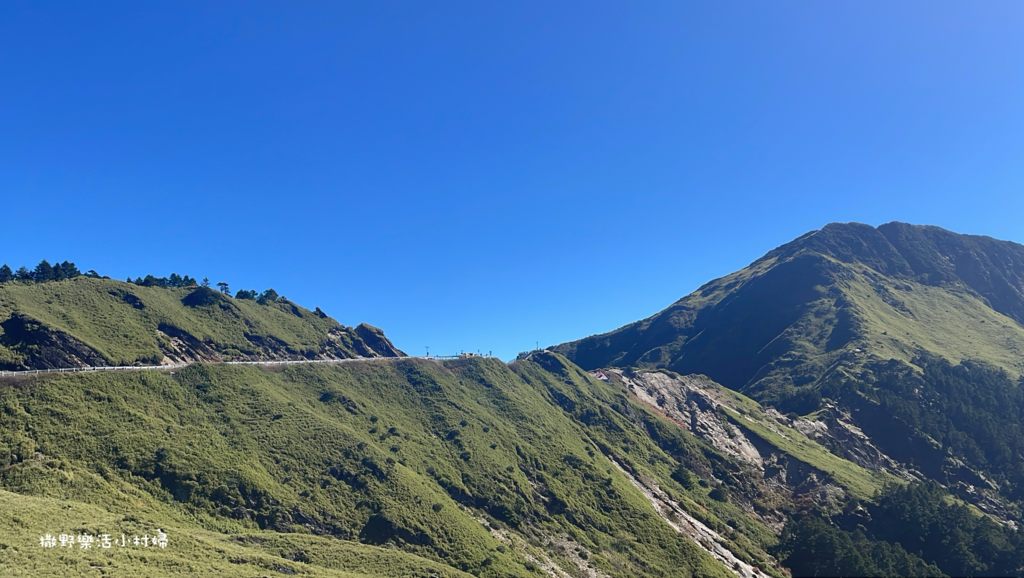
x=177 y=365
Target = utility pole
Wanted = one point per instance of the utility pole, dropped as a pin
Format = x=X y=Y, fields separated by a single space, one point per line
x=428 y=350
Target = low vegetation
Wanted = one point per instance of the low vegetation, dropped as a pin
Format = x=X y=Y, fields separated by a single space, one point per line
x=471 y=464
x=109 y=322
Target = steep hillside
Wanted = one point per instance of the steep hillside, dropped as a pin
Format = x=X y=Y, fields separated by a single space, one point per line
x=88 y=321
x=829 y=301
x=851 y=401
x=898 y=349
x=482 y=467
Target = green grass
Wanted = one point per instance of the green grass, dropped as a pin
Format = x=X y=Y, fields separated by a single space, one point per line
x=804 y=310
x=405 y=454
x=190 y=550
x=956 y=325
x=120 y=320
x=859 y=481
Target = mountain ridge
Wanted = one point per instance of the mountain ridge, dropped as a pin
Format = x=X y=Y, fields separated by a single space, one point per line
x=834 y=289
x=87 y=321
x=841 y=396
x=898 y=347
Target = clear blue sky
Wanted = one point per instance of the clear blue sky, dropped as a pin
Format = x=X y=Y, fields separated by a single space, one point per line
x=483 y=175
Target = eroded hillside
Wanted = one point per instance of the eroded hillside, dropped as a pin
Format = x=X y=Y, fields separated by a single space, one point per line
x=95 y=322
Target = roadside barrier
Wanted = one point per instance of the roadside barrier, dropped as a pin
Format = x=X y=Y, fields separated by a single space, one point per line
x=177 y=365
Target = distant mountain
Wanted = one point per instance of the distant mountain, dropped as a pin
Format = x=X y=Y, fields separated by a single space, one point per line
x=899 y=348
x=88 y=321
x=830 y=301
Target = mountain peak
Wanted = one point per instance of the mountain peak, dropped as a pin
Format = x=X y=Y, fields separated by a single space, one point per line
x=847 y=290
x=848 y=243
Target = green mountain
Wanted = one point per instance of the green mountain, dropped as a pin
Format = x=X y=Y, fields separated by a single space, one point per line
x=847 y=405
x=897 y=348
x=88 y=321
x=829 y=301
x=387 y=467
x=469 y=464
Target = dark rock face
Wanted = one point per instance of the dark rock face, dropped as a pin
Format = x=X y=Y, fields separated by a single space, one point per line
x=183 y=347
x=372 y=342
x=44 y=348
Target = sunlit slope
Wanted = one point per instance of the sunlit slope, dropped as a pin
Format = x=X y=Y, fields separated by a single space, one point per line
x=409 y=454
x=190 y=551
x=86 y=321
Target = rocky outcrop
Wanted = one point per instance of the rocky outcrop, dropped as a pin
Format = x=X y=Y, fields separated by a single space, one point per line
x=42 y=347
x=704 y=537
x=835 y=430
x=179 y=346
x=372 y=342
x=697 y=404
x=690 y=402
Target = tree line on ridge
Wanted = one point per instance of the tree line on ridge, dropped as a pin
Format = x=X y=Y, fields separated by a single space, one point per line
x=45 y=272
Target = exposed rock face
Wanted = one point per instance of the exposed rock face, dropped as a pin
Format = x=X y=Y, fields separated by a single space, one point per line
x=694 y=402
x=675 y=515
x=44 y=348
x=179 y=346
x=834 y=429
x=372 y=342
x=688 y=401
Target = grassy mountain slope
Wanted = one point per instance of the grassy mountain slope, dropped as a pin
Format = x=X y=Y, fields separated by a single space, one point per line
x=473 y=467
x=192 y=550
x=412 y=455
x=900 y=345
x=86 y=321
x=827 y=302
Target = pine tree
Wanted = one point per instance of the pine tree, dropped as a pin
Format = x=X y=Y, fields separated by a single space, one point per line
x=70 y=270
x=224 y=288
x=176 y=280
x=268 y=296
x=206 y=282
x=23 y=274
x=58 y=273
x=6 y=274
x=43 y=272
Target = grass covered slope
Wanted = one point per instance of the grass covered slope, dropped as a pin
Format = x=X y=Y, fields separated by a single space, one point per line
x=908 y=339
x=88 y=321
x=191 y=550
x=829 y=301
x=482 y=467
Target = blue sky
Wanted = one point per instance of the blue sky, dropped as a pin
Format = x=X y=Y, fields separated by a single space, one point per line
x=482 y=175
